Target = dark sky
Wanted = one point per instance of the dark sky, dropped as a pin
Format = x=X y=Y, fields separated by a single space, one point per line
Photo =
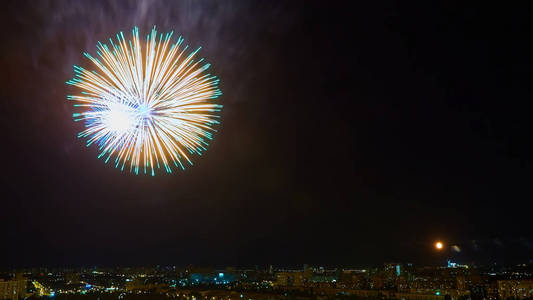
x=349 y=136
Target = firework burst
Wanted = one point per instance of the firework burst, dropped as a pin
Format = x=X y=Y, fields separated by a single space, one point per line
x=148 y=105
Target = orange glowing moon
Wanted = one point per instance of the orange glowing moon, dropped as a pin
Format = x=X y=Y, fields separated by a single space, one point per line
x=439 y=245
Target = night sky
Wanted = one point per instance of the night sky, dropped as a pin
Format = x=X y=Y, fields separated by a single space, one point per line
x=350 y=135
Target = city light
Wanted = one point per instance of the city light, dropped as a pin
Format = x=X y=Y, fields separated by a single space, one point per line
x=422 y=282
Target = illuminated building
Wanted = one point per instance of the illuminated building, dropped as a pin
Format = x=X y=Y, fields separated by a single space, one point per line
x=13 y=289
x=352 y=279
x=294 y=279
x=518 y=289
x=391 y=274
x=393 y=269
x=377 y=282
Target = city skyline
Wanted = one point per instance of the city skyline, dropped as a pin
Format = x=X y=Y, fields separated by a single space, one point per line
x=388 y=281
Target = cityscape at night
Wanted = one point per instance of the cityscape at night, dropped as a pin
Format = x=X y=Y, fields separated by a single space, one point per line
x=398 y=281
x=266 y=149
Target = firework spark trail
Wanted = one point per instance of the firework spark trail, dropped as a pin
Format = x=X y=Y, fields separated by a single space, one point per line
x=148 y=107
